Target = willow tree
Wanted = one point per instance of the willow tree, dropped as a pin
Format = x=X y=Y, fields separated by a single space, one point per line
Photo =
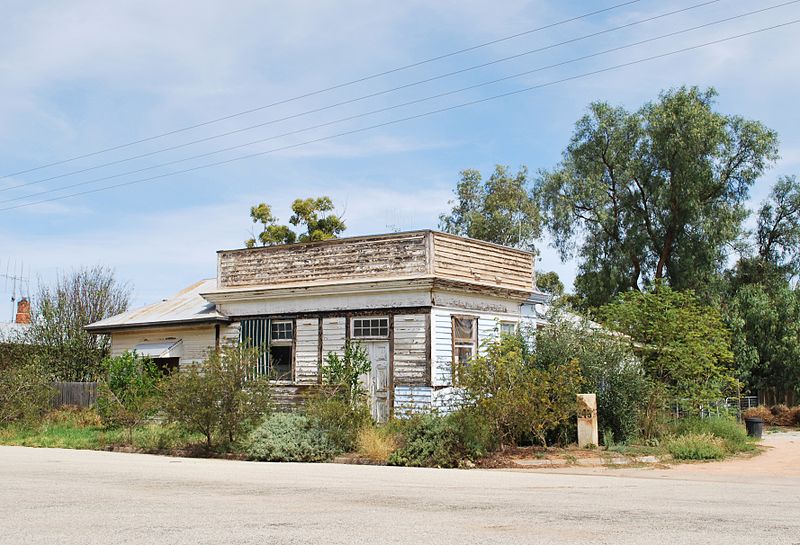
x=657 y=194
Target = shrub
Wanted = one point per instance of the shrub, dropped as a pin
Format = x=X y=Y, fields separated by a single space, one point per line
x=429 y=440
x=518 y=391
x=287 y=437
x=732 y=434
x=376 y=444
x=761 y=412
x=26 y=392
x=696 y=447
x=217 y=398
x=127 y=391
x=782 y=416
x=343 y=374
x=338 y=418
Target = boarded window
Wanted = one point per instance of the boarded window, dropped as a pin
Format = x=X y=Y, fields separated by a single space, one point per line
x=373 y=328
x=254 y=333
x=465 y=339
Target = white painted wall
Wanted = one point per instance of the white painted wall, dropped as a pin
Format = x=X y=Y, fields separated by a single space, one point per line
x=306 y=351
x=197 y=340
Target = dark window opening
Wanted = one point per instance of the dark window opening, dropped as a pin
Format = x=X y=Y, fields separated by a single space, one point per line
x=167 y=366
x=281 y=362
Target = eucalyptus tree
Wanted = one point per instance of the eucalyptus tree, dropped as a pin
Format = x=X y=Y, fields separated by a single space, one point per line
x=657 y=194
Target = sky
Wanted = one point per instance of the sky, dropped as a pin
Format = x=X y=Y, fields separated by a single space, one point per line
x=83 y=76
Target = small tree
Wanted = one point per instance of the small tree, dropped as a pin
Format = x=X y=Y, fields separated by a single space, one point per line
x=26 y=391
x=344 y=373
x=682 y=343
x=128 y=391
x=517 y=393
x=219 y=397
x=62 y=310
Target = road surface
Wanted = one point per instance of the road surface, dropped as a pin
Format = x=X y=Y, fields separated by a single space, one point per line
x=51 y=496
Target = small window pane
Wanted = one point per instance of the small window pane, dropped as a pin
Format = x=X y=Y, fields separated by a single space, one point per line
x=508 y=328
x=370 y=327
x=281 y=331
x=463 y=328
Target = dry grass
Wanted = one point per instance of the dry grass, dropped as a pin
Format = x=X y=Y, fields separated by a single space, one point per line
x=777 y=415
x=376 y=443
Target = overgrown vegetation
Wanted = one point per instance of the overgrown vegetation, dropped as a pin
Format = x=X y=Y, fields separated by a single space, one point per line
x=128 y=391
x=287 y=437
x=219 y=397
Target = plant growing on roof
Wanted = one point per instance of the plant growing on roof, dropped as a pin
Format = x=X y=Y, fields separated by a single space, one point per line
x=313 y=214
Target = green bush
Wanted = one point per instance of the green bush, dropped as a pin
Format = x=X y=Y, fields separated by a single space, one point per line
x=127 y=391
x=338 y=418
x=217 y=398
x=26 y=392
x=732 y=434
x=287 y=437
x=521 y=392
x=694 y=446
x=429 y=440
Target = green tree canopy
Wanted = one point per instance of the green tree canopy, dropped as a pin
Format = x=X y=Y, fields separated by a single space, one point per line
x=682 y=343
x=655 y=194
x=501 y=209
x=549 y=282
x=312 y=214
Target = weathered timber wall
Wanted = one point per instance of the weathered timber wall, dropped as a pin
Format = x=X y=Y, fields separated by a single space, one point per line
x=467 y=260
x=306 y=363
x=77 y=394
x=410 y=349
x=344 y=259
x=197 y=340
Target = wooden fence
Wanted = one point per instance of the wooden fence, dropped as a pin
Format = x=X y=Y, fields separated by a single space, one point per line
x=81 y=394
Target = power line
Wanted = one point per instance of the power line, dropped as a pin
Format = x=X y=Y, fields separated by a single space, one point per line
x=331 y=88
x=413 y=117
x=396 y=106
x=368 y=96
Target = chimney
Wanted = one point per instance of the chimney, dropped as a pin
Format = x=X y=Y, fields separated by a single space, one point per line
x=23 y=311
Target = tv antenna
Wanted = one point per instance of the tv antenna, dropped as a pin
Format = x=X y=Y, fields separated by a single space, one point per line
x=14 y=277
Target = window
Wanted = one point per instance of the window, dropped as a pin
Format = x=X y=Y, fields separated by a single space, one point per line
x=281 y=331
x=274 y=340
x=281 y=348
x=465 y=339
x=254 y=333
x=508 y=328
x=370 y=328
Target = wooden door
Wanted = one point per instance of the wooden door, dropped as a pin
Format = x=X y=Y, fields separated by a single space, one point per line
x=378 y=381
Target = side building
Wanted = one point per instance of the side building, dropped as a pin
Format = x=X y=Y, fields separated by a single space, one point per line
x=420 y=302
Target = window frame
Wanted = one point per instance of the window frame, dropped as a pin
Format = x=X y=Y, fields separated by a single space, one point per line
x=460 y=343
x=370 y=337
x=514 y=327
x=264 y=366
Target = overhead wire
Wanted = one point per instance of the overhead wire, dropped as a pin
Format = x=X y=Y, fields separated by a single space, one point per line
x=400 y=105
x=370 y=95
x=413 y=117
x=330 y=88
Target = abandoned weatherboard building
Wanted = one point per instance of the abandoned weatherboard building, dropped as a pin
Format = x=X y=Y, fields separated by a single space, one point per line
x=421 y=302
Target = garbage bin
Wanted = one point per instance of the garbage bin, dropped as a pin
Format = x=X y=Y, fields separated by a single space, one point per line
x=755 y=427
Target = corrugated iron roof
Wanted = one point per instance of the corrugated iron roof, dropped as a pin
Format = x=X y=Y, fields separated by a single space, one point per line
x=186 y=306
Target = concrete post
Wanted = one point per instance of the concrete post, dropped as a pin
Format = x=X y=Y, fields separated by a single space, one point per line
x=587 y=420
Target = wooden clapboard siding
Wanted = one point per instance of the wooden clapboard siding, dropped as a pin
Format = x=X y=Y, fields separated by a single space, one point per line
x=410 y=350
x=306 y=350
x=342 y=259
x=197 y=340
x=413 y=256
x=333 y=335
x=473 y=261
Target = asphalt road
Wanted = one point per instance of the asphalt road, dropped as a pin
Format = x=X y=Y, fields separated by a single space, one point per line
x=50 y=496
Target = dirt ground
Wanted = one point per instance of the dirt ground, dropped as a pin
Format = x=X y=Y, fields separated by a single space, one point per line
x=779 y=459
